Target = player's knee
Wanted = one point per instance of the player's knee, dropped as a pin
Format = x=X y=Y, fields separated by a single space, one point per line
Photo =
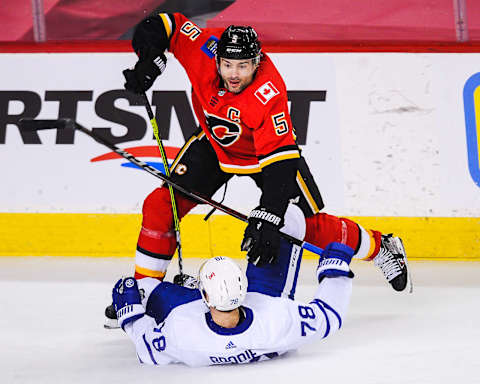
x=157 y=210
x=351 y=233
x=159 y=203
x=159 y=198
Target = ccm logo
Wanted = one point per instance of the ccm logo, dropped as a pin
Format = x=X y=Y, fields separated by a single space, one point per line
x=210 y=277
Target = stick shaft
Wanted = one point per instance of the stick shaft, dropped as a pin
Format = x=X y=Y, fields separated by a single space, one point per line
x=195 y=196
x=155 y=172
x=67 y=123
x=176 y=220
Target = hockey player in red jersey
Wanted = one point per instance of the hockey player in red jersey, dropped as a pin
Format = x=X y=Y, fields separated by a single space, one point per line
x=240 y=101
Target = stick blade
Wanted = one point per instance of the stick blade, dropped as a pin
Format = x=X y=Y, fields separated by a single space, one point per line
x=28 y=124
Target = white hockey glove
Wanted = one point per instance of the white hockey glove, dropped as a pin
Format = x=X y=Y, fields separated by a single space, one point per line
x=335 y=261
x=127 y=301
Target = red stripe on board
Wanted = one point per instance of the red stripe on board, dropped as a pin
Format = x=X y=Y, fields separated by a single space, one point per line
x=67 y=46
x=149 y=151
x=298 y=46
x=375 y=46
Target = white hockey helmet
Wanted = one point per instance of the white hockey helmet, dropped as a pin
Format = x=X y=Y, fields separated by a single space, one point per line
x=222 y=283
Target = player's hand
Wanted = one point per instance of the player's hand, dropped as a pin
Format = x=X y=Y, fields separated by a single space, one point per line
x=150 y=65
x=261 y=239
x=127 y=301
x=335 y=261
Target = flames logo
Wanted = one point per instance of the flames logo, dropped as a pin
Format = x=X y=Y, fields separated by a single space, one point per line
x=224 y=132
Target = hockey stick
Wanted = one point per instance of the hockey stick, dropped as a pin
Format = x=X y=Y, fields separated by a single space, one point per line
x=176 y=221
x=31 y=124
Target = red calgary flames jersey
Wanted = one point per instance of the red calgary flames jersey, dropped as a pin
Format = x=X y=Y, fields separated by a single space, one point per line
x=248 y=130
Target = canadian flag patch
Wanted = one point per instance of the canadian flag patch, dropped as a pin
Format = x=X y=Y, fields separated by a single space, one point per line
x=266 y=92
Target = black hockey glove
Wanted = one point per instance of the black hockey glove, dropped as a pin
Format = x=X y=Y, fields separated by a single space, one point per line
x=150 y=65
x=261 y=239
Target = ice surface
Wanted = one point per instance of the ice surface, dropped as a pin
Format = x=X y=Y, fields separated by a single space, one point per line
x=51 y=329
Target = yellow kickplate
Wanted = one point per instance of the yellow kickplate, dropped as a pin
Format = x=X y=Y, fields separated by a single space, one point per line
x=100 y=235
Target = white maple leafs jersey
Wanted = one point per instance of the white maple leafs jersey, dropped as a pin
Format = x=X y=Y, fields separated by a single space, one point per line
x=178 y=327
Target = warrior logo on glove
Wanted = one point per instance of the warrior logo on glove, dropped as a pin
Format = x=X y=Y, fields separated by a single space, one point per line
x=261 y=239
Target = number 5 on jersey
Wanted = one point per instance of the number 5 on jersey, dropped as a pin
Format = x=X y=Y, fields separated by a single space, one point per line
x=280 y=123
x=191 y=30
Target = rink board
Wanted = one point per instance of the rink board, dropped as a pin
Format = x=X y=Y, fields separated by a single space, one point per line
x=389 y=138
x=115 y=235
x=384 y=134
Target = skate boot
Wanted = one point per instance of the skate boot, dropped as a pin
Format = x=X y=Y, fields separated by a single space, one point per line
x=392 y=260
x=111 y=321
x=186 y=281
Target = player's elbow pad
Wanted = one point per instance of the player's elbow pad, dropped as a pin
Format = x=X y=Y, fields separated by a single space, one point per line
x=279 y=185
x=151 y=32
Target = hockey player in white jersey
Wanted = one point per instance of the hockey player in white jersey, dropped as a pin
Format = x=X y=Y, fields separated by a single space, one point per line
x=233 y=318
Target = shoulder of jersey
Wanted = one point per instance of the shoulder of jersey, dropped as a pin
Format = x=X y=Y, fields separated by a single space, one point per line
x=268 y=85
x=206 y=38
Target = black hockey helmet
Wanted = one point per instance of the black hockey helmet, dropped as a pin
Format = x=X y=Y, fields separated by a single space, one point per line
x=239 y=42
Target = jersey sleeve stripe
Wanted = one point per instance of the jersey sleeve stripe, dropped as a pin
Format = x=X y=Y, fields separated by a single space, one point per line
x=308 y=196
x=149 y=350
x=167 y=23
x=327 y=320
x=333 y=311
x=279 y=157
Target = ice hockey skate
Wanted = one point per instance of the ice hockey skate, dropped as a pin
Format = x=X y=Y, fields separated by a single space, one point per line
x=185 y=280
x=392 y=260
x=111 y=321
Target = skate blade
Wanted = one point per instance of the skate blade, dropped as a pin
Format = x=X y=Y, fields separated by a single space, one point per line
x=111 y=324
x=401 y=248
